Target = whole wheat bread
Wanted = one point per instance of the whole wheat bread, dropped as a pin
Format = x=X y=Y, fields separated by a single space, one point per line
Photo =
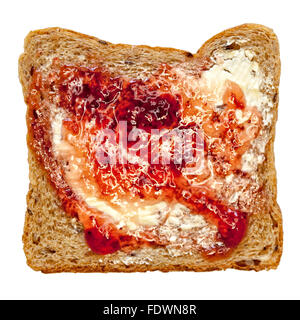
x=54 y=241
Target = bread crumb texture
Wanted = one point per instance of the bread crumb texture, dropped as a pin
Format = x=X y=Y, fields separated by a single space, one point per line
x=54 y=241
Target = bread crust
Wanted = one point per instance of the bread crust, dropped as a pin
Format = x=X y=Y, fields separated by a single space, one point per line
x=54 y=242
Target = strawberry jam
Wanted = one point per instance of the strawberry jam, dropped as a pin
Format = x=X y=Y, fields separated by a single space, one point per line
x=90 y=100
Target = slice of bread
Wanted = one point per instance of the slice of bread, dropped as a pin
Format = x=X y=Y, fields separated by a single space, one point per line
x=54 y=241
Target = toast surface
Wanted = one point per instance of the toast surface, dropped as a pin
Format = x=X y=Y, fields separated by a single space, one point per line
x=54 y=241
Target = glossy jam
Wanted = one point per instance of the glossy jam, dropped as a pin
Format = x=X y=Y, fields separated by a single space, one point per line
x=94 y=100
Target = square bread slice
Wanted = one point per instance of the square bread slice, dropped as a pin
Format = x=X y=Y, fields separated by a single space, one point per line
x=55 y=242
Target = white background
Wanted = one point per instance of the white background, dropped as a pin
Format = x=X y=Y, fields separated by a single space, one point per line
x=180 y=24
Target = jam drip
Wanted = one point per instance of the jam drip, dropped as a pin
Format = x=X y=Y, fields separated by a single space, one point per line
x=93 y=100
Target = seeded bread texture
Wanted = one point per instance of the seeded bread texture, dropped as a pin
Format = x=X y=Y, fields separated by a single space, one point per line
x=54 y=242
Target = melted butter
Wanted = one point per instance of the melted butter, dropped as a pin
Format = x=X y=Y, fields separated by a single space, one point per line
x=173 y=222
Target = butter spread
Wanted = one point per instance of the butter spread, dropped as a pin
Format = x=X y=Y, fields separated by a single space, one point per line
x=173 y=221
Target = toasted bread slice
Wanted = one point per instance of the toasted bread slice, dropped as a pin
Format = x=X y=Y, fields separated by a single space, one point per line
x=54 y=241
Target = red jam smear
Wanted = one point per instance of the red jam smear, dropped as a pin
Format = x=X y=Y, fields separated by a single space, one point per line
x=105 y=238
x=94 y=96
